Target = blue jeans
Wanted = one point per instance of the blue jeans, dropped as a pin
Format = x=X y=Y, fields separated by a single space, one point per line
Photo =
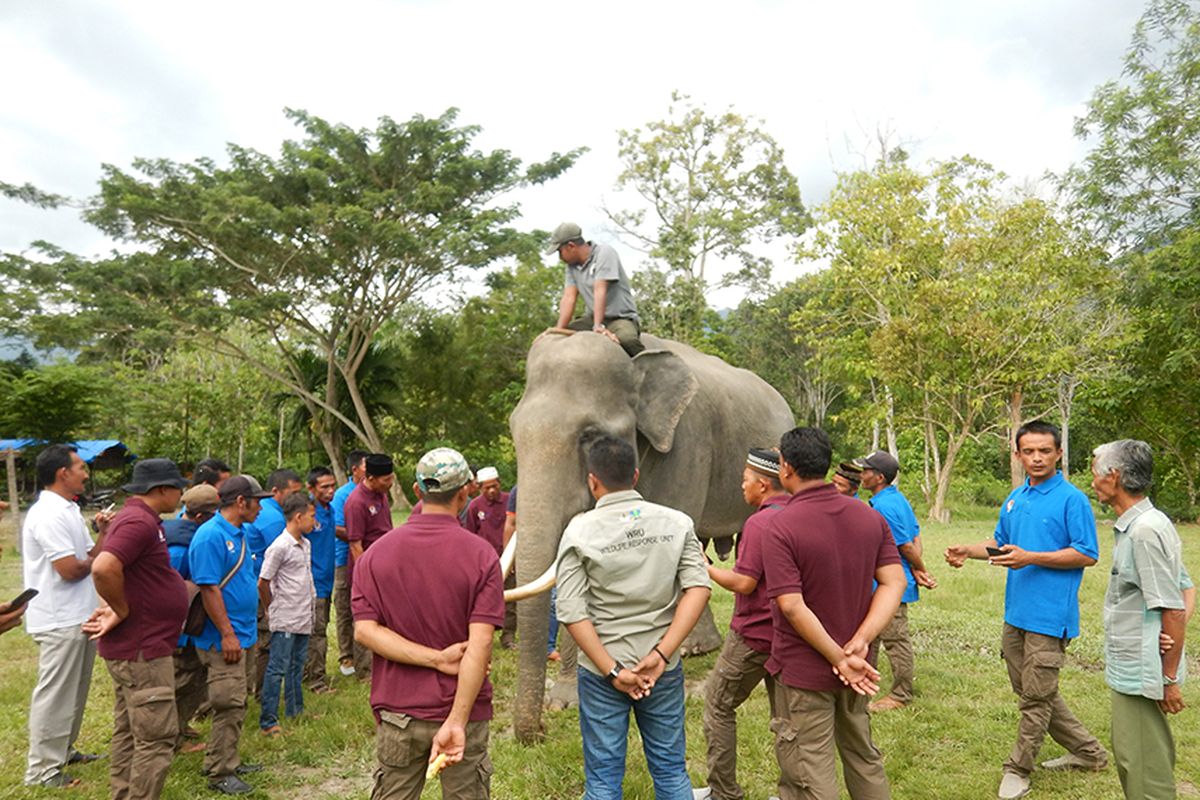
x=286 y=666
x=552 y=641
x=604 y=725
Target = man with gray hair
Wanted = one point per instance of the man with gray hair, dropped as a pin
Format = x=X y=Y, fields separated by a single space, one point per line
x=1149 y=596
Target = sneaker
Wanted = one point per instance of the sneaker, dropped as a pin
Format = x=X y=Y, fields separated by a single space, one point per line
x=77 y=757
x=888 y=703
x=1072 y=761
x=61 y=780
x=347 y=667
x=703 y=793
x=231 y=784
x=1013 y=786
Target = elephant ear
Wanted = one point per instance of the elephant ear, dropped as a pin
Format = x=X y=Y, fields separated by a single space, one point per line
x=666 y=386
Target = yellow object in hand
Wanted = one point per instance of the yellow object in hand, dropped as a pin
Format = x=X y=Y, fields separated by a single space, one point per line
x=436 y=766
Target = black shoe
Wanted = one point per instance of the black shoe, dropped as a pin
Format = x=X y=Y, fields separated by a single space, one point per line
x=231 y=784
x=77 y=757
x=247 y=769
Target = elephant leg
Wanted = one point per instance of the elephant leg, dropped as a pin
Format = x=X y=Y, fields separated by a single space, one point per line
x=704 y=638
x=565 y=692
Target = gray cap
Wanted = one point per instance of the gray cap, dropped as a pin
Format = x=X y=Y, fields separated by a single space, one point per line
x=241 y=486
x=882 y=462
x=564 y=233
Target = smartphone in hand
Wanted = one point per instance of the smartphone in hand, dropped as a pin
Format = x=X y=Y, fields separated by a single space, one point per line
x=22 y=599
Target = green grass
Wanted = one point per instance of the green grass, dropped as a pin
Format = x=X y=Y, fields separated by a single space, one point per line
x=949 y=744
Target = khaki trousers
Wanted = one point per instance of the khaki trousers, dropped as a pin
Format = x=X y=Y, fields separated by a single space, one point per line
x=191 y=686
x=628 y=332
x=807 y=726
x=343 y=619
x=227 y=696
x=1143 y=748
x=738 y=670
x=314 y=667
x=1033 y=662
x=898 y=646
x=403 y=745
x=65 y=660
x=145 y=727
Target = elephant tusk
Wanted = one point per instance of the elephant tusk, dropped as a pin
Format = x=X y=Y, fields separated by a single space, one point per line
x=533 y=588
x=509 y=556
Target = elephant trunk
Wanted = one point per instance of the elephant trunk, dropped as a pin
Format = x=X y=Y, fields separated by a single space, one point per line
x=545 y=503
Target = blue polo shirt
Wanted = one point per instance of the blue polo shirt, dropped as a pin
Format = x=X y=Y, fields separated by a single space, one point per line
x=260 y=533
x=322 y=539
x=1049 y=516
x=213 y=553
x=896 y=509
x=341 y=551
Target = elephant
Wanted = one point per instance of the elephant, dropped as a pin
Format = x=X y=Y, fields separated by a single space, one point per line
x=692 y=417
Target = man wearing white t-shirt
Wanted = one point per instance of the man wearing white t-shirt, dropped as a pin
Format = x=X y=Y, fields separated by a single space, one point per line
x=57 y=552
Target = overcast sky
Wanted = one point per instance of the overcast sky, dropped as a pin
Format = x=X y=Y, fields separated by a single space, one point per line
x=87 y=83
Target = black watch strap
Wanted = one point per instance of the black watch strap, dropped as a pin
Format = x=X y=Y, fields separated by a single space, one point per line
x=614 y=673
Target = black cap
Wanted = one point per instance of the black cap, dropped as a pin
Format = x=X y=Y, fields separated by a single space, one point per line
x=764 y=461
x=241 y=486
x=153 y=472
x=379 y=464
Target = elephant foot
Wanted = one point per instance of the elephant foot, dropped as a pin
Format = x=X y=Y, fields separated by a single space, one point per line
x=563 y=694
x=704 y=638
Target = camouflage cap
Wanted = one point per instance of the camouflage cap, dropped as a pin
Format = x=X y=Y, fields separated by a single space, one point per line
x=442 y=470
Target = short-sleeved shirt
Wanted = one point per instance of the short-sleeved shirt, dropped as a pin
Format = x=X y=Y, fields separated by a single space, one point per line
x=428 y=581
x=54 y=529
x=368 y=516
x=826 y=547
x=1147 y=576
x=213 y=553
x=322 y=539
x=266 y=526
x=603 y=265
x=341 y=550
x=180 y=531
x=287 y=565
x=486 y=519
x=752 y=612
x=623 y=566
x=895 y=508
x=1043 y=518
x=155 y=593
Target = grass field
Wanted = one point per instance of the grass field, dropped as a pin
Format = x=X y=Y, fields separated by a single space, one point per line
x=949 y=744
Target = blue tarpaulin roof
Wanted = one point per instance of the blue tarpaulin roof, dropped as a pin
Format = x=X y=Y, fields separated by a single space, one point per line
x=89 y=449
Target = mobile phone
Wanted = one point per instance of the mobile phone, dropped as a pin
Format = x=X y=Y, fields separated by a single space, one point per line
x=22 y=599
x=995 y=551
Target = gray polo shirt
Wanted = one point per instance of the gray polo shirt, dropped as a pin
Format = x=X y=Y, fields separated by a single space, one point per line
x=604 y=265
x=623 y=566
x=1147 y=576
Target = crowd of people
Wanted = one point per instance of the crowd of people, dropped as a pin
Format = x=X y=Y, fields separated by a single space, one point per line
x=230 y=596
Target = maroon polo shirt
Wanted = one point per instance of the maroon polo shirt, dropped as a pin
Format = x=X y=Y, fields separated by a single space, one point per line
x=368 y=516
x=486 y=519
x=154 y=591
x=428 y=580
x=826 y=547
x=752 y=612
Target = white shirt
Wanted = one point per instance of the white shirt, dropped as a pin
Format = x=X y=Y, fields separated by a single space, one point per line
x=54 y=528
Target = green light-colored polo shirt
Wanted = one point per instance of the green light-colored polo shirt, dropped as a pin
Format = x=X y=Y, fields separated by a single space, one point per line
x=623 y=565
x=1147 y=576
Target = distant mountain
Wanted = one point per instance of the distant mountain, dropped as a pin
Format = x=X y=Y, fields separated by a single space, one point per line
x=12 y=347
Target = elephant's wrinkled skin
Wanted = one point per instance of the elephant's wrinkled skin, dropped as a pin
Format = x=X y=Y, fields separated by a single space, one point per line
x=692 y=418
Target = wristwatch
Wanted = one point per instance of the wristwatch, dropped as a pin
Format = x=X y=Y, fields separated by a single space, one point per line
x=614 y=673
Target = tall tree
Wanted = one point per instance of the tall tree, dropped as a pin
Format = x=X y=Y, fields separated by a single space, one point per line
x=313 y=250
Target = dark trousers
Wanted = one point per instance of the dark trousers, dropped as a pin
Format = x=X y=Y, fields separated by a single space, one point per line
x=628 y=332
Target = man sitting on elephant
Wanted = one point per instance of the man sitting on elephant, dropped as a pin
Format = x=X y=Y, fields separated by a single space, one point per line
x=594 y=271
x=631 y=585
